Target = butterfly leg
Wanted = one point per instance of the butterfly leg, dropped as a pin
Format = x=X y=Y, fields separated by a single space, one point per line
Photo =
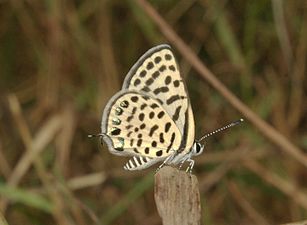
x=168 y=159
x=181 y=164
x=190 y=167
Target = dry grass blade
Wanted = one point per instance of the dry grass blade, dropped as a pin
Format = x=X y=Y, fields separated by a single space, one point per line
x=65 y=139
x=3 y=220
x=286 y=187
x=44 y=136
x=246 y=205
x=34 y=147
x=280 y=23
x=297 y=223
x=5 y=168
x=267 y=130
x=86 y=181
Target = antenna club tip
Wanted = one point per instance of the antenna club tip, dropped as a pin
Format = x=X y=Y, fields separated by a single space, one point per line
x=241 y=120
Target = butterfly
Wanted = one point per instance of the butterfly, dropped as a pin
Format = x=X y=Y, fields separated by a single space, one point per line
x=151 y=119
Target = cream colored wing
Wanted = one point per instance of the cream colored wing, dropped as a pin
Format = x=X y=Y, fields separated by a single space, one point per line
x=156 y=74
x=137 y=124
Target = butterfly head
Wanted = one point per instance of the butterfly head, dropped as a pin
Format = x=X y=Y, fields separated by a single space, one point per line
x=197 y=148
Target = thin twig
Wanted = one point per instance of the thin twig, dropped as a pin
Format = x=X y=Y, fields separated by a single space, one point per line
x=246 y=205
x=287 y=188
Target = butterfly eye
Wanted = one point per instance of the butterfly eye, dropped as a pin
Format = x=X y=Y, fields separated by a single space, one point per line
x=198 y=148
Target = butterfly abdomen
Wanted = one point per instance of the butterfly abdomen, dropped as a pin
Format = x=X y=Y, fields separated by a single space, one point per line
x=139 y=163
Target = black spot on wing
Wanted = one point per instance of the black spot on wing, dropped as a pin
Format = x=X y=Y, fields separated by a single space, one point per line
x=162 y=68
x=176 y=83
x=120 y=149
x=159 y=153
x=137 y=82
x=143 y=106
x=115 y=131
x=154 y=144
x=129 y=118
x=141 y=116
x=150 y=65
x=169 y=147
x=161 y=114
x=172 y=99
x=168 y=80
x=154 y=105
x=153 y=129
x=158 y=59
x=161 y=89
x=161 y=138
x=139 y=142
x=146 y=89
x=118 y=111
x=167 y=127
x=172 y=68
x=116 y=121
x=124 y=104
x=134 y=98
x=155 y=74
x=143 y=73
x=149 y=81
x=145 y=97
x=176 y=114
x=151 y=115
x=168 y=57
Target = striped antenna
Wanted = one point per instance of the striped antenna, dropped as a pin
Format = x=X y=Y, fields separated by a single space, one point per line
x=221 y=129
x=97 y=135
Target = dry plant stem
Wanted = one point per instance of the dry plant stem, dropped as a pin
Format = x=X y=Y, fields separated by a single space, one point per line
x=267 y=130
x=245 y=205
x=65 y=139
x=177 y=197
x=297 y=223
x=287 y=188
x=5 y=168
x=109 y=81
x=34 y=147
x=282 y=33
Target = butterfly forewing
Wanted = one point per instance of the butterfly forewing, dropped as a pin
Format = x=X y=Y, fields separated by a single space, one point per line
x=137 y=124
x=156 y=73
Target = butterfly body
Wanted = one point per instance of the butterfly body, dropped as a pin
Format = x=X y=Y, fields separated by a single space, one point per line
x=151 y=118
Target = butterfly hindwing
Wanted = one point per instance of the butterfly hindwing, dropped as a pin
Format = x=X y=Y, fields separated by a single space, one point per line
x=156 y=73
x=137 y=124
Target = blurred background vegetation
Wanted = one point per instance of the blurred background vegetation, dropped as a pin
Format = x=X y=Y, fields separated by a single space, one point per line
x=60 y=61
